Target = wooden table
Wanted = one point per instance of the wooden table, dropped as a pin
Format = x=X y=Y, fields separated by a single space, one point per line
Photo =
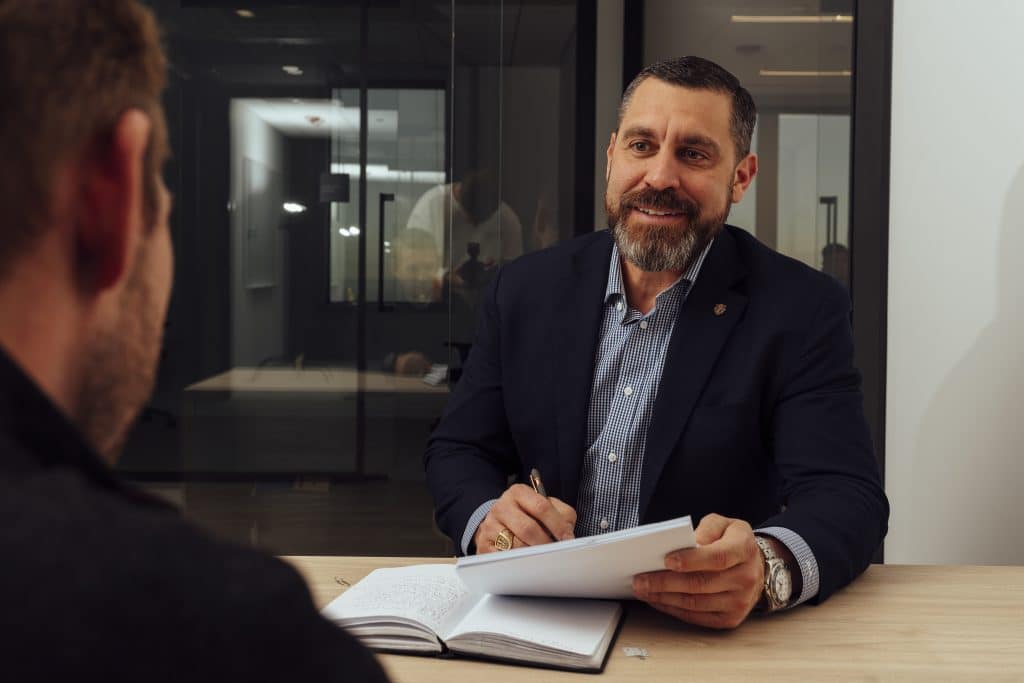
x=896 y=622
x=329 y=380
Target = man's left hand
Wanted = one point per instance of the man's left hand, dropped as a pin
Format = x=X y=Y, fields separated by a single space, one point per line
x=715 y=584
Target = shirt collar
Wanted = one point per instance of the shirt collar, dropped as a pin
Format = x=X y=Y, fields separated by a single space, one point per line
x=616 y=290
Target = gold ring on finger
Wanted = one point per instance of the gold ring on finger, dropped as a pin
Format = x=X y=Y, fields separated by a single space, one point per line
x=504 y=539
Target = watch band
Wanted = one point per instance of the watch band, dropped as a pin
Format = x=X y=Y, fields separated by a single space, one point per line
x=773 y=565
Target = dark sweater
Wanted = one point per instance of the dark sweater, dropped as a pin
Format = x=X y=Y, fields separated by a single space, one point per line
x=100 y=581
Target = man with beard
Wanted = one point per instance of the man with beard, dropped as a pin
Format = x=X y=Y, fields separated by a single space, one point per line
x=99 y=581
x=670 y=366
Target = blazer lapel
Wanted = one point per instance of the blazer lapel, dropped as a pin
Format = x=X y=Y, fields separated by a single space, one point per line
x=705 y=321
x=580 y=303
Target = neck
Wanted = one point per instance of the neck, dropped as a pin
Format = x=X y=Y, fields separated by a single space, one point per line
x=39 y=331
x=642 y=286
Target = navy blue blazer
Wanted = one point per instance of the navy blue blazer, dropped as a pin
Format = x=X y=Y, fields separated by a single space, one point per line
x=759 y=413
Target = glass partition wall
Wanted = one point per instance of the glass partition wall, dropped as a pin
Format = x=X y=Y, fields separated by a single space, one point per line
x=348 y=177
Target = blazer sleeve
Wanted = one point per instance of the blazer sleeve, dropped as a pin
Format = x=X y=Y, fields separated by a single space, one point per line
x=830 y=482
x=471 y=453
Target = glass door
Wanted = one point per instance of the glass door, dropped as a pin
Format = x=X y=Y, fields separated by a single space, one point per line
x=347 y=177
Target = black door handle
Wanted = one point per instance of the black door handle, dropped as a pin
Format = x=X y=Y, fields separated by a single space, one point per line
x=384 y=197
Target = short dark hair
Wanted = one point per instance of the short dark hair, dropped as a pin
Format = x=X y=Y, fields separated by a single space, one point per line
x=703 y=74
x=68 y=70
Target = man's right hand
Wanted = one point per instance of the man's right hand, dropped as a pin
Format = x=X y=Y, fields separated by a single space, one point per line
x=532 y=518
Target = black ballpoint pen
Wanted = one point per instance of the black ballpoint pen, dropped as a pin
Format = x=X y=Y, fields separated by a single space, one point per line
x=538 y=486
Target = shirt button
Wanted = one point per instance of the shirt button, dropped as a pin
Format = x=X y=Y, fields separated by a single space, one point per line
x=604 y=524
x=618 y=306
x=612 y=457
x=628 y=391
x=643 y=324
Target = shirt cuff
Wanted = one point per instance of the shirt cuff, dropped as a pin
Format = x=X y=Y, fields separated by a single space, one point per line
x=805 y=559
x=474 y=523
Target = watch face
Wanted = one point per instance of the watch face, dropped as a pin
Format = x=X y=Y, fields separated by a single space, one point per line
x=782 y=585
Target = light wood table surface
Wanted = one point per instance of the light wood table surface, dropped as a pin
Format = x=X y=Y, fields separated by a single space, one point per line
x=313 y=380
x=896 y=622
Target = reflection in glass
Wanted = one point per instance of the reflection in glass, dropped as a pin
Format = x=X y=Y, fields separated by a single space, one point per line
x=405 y=158
x=295 y=396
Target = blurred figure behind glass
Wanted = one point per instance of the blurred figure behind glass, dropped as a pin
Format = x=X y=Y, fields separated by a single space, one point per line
x=835 y=261
x=473 y=210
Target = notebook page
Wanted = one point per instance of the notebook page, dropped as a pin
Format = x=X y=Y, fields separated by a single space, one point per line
x=429 y=594
x=560 y=625
x=600 y=566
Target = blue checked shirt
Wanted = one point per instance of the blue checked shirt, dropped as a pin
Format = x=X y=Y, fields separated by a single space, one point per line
x=630 y=358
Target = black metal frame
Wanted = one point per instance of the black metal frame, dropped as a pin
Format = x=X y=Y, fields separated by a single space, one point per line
x=586 y=99
x=869 y=204
x=632 y=40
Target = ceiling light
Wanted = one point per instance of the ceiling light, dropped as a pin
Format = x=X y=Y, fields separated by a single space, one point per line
x=353 y=230
x=343 y=232
x=792 y=19
x=245 y=13
x=292 y=70
x=845 y=73
x=293 y=207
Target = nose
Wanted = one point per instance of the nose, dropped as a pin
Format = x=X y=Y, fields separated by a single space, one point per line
x=662 y=172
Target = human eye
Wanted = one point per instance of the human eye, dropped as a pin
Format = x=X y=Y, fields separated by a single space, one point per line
x=640 y=146
x=691 y=154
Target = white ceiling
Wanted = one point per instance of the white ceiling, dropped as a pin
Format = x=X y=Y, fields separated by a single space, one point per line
x=704 y=27
x=320 y=117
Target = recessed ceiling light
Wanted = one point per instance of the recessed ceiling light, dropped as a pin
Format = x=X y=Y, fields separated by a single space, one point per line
x=293 y=207
x=245 y=13
x=292 y=70
x=845 y=73
x=792 y=19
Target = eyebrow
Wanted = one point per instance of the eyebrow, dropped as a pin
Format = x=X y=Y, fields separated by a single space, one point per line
x=638 y=132
x=701 y=141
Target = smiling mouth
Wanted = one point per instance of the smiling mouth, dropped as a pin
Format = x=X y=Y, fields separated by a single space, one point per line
x=652 y=212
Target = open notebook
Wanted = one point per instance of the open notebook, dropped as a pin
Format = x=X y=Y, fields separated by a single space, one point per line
x=426 y=609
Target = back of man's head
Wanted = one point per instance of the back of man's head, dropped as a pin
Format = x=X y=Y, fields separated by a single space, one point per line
x=85 y=250
x=68 y=70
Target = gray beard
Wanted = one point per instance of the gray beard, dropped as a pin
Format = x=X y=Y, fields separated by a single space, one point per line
x=661 y=248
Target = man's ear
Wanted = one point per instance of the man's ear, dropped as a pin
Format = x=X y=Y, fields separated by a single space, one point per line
x=611 y=148
x=743 y=176
x=110 y=222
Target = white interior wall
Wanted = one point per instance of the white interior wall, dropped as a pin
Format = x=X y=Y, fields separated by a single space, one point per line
x=954 y=423
x=257 y=313
x=814 y=161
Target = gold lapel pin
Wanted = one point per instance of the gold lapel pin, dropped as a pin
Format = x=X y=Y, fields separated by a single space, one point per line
x=720 y=309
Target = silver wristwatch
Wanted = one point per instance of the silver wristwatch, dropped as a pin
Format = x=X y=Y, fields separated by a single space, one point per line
x=778 y=581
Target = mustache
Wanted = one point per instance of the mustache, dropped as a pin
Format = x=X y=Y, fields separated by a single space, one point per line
x=659 y=200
